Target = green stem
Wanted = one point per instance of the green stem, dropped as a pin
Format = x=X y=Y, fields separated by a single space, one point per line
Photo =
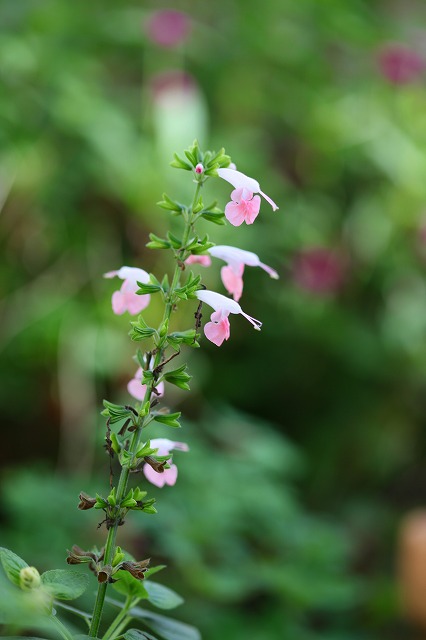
x=124 y=475
x=118 y=623
x=61 y=628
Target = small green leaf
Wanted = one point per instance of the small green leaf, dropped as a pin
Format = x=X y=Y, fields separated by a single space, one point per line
x=147 y=289
x=64 y=585
x=212 y=216
x=175 y=242
x=161 y=596
x=12 y=565
x=170 y=205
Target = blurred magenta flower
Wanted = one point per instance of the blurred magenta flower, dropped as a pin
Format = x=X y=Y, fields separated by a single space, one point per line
x=168 y=476
x=218 y=329
x=168 y=28
x=318 y=270
x=137 y=389
x=126 y=299
x=400 y=64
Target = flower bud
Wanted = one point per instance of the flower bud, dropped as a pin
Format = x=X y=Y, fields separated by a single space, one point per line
x=199 y=168
x=29 y=578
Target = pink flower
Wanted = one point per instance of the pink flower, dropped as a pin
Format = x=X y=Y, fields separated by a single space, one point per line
x=218 y=329
x=244 y=205
x=318 y=270
x=126 y=299
x=199 y=168
x=168 y=476
x=168 y=28
x=137 y=389
x=232 y=275
x=205 y=261
x=400 y=64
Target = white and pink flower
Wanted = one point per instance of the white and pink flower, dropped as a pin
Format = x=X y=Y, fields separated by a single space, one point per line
x=126 y=299
x=168 y=476
x=244 y=205
x=218 y=329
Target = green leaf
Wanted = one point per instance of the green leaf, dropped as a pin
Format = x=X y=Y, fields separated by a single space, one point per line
x=167 y=628
x=64 y=585
x=171 y=419
x=175 y=242
x=188 y=337
x=12 y=565
x=161 y=596
x=145 y=289
x=140 y=330
x=137 y=634
x=129 y=586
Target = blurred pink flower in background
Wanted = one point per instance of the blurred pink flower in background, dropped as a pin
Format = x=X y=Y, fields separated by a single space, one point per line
x=318 y=270
x=400 y=64
x=173 y=85
x=168 y=28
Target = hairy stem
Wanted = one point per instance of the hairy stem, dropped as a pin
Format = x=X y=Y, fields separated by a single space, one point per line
x=124 y=475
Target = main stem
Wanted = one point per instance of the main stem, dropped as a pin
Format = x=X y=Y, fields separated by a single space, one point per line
x=125 y=470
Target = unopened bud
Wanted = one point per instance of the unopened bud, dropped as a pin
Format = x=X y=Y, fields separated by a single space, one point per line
x=199 y=168
x=29 y=578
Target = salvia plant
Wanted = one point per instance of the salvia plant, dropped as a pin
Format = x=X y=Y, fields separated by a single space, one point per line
x=128 y=426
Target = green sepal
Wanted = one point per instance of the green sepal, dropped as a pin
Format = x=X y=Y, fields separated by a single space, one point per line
x=188 y=337
x=12 y=565
x=189 y=288
x=140 y=330
x=111 y=498
x=179 y=163
x=217 y=217
x=117 y=412
x=118 y=556
x=125 y=457
x=157 y=243
x=138 y=494
x=144 y=410
x=170 y=420
x=170 y=205
x=116 y=447
x=178 y=377
x=148 y=506
x=101 y=503
x=175 y=242
x=64 y=585
x=198 y=205
x=146 y=450
x=149 y=288
x=147 y=376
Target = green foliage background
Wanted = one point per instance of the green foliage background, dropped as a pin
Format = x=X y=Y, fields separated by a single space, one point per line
x=283 y=522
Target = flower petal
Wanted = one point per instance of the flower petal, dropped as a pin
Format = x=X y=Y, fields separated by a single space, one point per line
x=136 y=389
x=204 y=260
x=239 y=180
x=232 y=280
x=118 y=303
x=235 y=213
x=217 y=332
x=168 y=476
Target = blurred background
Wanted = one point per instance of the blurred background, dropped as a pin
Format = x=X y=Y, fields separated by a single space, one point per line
x=298 y=513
